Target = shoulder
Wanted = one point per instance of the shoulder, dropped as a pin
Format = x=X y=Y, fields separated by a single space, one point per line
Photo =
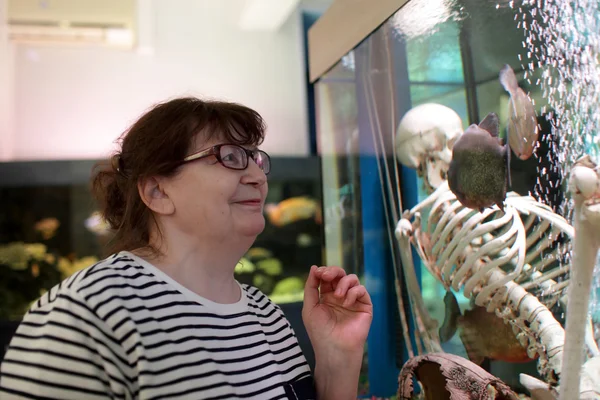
x=256 y=298
x=65 y=316
x=111 y=277
x=261 y=305
x=64 y=348
x=120 y=266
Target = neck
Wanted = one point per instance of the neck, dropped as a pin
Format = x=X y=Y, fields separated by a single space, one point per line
x=206 y=267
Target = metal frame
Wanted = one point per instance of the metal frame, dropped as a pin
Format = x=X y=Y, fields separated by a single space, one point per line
x=342 y=27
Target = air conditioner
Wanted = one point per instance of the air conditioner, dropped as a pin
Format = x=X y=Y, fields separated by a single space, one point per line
x=72 y=22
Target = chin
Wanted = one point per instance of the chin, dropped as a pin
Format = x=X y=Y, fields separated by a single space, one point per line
x=253 y=228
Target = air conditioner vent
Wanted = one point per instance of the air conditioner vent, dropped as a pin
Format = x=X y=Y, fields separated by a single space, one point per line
x=72 y=22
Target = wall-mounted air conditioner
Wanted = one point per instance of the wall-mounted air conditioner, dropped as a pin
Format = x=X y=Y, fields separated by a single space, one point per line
x=73 y=22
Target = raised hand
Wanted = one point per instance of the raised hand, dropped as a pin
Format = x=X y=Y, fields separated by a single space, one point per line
x=337 y=310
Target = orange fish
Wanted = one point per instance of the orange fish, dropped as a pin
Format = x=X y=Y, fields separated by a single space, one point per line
x=523 y=130
x=47 y=227
x=483 y=334
x=293 y=209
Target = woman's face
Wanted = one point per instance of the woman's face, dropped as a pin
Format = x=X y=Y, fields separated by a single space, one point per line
x=213 y=200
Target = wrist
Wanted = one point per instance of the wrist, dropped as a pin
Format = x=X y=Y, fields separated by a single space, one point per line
x=337 y=374
x=334 y=359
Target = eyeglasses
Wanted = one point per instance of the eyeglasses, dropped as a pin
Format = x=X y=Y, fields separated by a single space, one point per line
x=235 y=157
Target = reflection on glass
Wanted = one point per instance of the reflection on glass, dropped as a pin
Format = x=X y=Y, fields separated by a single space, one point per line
x=338 y=148
x=449 y=53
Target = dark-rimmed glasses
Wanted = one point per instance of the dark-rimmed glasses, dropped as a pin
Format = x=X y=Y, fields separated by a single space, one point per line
x=233 y=156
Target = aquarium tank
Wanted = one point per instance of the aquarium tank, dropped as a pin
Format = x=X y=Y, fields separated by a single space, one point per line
x=429 y=71
x=50 y=228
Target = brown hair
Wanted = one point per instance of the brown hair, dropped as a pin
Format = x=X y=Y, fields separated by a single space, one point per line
x=155 y=145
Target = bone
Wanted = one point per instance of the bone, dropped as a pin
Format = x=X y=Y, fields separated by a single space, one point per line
x=585 y=186
x=494 y=258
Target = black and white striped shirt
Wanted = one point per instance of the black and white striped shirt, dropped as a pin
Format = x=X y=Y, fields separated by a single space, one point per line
x=123 y=329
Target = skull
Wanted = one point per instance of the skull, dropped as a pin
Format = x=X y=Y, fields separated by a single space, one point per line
x=424 y=141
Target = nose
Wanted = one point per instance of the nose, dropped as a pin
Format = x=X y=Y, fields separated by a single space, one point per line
x=253 y=175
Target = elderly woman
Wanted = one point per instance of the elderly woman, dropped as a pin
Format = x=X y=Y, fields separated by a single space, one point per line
x=163 y=316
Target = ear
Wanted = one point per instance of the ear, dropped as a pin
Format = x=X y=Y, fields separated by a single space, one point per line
x=153 y=194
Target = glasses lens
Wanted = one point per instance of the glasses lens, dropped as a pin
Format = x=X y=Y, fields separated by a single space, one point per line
x=262 y=160
x=234 y=157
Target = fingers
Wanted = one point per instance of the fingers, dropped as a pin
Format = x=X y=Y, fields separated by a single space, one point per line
x=330 y=273
x=311 y=288
x=346 y=283
x=357 y=294
x=329 y=277
x=323 y=280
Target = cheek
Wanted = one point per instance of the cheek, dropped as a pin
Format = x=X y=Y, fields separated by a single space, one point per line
x=221 y=204
x=210 y=193
x=222 y=192
x=207 y=209
x=214 y=201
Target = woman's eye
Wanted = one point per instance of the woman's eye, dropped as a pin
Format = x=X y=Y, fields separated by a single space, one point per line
x=231 y=158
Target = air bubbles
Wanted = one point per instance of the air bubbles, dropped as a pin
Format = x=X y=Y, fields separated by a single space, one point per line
x=563 y=42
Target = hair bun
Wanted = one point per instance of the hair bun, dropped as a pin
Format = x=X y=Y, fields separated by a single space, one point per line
x=117 y=164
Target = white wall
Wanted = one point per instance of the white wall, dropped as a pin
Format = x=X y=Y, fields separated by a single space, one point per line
x=6 y=88
x=74 y=102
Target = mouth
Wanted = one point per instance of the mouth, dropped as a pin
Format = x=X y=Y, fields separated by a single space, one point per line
x=250 y=202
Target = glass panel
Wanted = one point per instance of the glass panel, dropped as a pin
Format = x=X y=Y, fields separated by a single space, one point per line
x=338 y=148
x=46 y=234
x=337 y=130
x=291 y=242
x=447 y=53
x=49 y=229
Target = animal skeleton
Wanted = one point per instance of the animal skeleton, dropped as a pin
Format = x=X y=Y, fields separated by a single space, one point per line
x=506 y=262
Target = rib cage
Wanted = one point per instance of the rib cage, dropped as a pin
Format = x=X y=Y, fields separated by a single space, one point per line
x=506 y=262
x=467 y=245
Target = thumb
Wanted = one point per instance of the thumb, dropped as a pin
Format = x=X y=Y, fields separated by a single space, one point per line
x=311 y=289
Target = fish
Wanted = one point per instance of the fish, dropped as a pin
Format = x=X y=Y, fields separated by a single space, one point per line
x=479 y=172
x=484 y=335
x=523 y=130
x=294 y=209
x=47 y=227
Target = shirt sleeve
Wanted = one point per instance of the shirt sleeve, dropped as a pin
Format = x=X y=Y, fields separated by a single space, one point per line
x=63 y=350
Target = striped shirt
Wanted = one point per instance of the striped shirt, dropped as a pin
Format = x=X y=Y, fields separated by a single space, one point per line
x=123 y=329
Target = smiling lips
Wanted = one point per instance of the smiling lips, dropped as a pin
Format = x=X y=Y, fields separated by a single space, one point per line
x=250 y=202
